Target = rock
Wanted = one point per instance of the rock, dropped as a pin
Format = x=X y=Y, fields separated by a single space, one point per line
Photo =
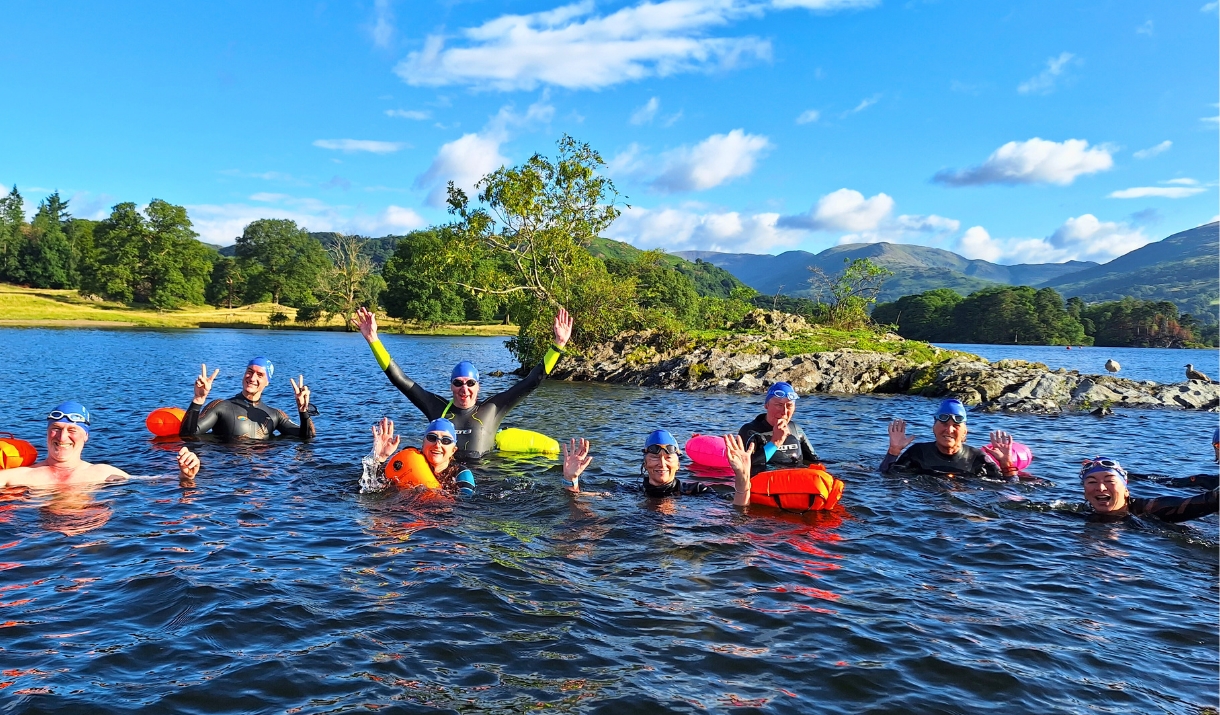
x=1102 y=411
x=496 y=373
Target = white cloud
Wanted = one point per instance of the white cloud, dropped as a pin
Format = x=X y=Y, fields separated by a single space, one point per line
x=865 y=104
x=1036 y=161
x=645 y=113
x=807 y=116
x=221 y=224
x=1181 y=182
x=1164 y=192
x=574 y=47
x=676 y=229
x=1044 y=82
x=1209 y=7
x=718 y=159
x=1153 y=150
x=977 y=244
x=408 y=114
x=266 y=196
x=383 y=23
x=354 y=145
x=1084 y=238
x=1145 y=29
x=843 y=210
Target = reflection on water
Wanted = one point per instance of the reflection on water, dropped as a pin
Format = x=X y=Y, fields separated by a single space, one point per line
x=273 y=585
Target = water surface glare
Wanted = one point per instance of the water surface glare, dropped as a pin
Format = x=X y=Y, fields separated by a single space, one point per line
x=273 y=586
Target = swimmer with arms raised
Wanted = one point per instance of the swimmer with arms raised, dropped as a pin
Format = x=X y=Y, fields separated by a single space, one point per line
x=245 y=416
x=475 y=423
x=439 y=447
x=949 y=455
x=1105 y=489
x=67 y=433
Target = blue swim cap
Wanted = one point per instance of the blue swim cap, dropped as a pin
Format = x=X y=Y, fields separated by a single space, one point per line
x=1102 y=465
x=465 y=369
x=951 y=407
x=659 y=436
x=442 y=425
x=70 y=411
x=782 y=390
x=265 y=364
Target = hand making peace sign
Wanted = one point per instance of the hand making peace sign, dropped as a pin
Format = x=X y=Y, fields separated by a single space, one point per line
x=203 y=384
x=301 y=392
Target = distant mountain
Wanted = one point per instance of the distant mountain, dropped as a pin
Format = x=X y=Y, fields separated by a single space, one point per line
x=709 y=279
x=916 y=269
x=1184 y=268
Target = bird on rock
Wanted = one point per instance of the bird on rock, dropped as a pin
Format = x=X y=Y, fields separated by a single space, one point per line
x=1193 y=374
x=1112 y=365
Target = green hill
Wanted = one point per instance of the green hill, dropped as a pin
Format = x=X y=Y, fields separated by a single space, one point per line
x=1183 y=268
x=708 y=278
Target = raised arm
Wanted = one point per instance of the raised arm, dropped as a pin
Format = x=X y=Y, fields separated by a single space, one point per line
x=426 y=402
x=899 y=441
x=575 y=460
x=509 y=399
x=192 y=424
x=1179 y=509
x=739 y=454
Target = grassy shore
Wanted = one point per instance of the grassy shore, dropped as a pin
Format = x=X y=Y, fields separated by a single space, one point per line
x=48 y=308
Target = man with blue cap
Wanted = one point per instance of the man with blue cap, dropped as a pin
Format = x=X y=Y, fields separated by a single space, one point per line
x=1105 y=489
x=67 y=432
x=949 y=455
x=475 y=422
x=245 y=416
x=779 y=443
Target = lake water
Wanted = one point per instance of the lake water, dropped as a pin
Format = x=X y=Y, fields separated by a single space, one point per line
x=1158 y=365
x=273 y=586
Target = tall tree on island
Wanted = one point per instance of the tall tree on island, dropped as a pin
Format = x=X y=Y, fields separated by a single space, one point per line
x=281 y=261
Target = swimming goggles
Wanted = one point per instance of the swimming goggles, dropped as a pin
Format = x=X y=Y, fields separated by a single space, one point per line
x=957 y=419
x=442 y=438
x=658 y=448
x=459 y=382
x=76 y=417
x=1099 y=463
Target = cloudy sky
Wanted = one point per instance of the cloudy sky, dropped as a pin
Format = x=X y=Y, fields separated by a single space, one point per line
x=1010 y=131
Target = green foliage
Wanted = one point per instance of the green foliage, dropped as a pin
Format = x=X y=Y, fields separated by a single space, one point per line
x=227 y=286
x=44 y=258
x=277 y=319
x=658 y=285
x=12 y=223
x=926 y=316
x=280 y=261
x=419 y=280
x=308 y=315
x=849 y=294
x=350 y=281
x=1003 y=314
x=1139 y=323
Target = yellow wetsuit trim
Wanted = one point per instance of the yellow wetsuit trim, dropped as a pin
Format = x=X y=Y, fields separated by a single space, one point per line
x=379 y=352
x=551 y=358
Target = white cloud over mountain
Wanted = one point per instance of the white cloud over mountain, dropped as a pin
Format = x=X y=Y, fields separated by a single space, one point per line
x=1083 y=238
x=1036 y=161
x=714 y=161
x=681 y=229
x=843 y=210
x=1163 y=192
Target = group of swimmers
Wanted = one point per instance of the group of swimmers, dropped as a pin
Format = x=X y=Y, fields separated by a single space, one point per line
x=462 y=429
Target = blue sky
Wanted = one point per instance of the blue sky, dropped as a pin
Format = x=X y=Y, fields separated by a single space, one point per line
x=1010 y=131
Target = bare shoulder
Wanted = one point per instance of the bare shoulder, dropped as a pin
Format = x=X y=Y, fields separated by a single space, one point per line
x=103 y=472
x=17 y=476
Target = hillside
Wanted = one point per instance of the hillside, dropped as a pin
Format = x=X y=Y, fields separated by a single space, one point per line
x=916 y=268
x=1183 y=268
x=709 y=279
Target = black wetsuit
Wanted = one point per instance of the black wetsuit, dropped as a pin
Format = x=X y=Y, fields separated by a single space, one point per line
x=476 y=426
x=1171 y=509
x=794 y=452
x=924 y=457
x=676 y=488
x=239 y=418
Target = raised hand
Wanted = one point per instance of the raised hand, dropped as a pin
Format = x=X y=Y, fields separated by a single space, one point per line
x=188 y=464
x=366 y=323
x=563 y=327
x=739 y=456
x=301 y=393
x=385 y=442
x=203 y=384
x=575 y=460
x=1001 y=449
x=898 y=437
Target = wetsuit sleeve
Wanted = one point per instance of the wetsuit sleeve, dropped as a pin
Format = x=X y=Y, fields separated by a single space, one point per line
x=426 y=402
x=1178 y=509
x=988 y=469
x=763 y=449
x=888 y=461
x=508 y=399
x=198 y=421
x=1202 y=481
x=305 y=431
x=807 y=452
x=696 y=488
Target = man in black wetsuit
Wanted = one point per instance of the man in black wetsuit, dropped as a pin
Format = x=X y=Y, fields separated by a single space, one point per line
x=778 y=442
x=244 y=416
x=1105 y=488
x=949 y=455
x=476 y=422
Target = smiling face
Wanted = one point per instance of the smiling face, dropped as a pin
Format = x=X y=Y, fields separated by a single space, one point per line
x=436 y=452
x=465 y=394
x=1106 y=492
x=65 y=440
x=660 y=468
x=778 y=407
x=950 y=436
x=254 y=382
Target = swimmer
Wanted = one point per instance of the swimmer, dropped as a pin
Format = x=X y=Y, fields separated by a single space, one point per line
x=778 y=441
x=475 y=423
x=1105 y=489
x=949 y=455
x=659 y=467
x=1216 y=444
x=439 y=447
x=245 y=416
x=67 y=433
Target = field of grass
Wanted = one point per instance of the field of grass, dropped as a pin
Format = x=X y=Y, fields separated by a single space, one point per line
x=40 y=307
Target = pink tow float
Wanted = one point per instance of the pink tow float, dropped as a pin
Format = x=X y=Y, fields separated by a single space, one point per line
x=707 y=450
x=1022 y=456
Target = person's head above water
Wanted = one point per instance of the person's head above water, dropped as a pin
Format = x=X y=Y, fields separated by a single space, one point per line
x=257 y=377
x=780 y=402
x=1105 y=484
x=949 y=426
x=440 y=443
x=67 y=431
x=660 y=457
x=464 y=381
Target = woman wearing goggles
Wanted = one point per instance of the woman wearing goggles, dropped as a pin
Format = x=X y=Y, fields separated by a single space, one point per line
x=1105 y=489
x=438 y=449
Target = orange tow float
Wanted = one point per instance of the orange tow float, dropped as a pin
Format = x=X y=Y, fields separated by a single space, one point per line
x=165 y=421
x=804 y=489
x=408 y=468
x=16 y=452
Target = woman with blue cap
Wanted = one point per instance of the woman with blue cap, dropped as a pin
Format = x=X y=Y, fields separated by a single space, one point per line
x=778 y=442
x=1105 y=489
x=949 y=455
x=245 y=415
x=438 y=448
x=475 y=422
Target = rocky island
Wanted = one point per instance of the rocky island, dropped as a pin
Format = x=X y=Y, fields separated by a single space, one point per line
x=771 y=346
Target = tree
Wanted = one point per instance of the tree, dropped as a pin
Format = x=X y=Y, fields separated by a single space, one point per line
x=924 y=316
x=658 y=285
x=280 y=261
x=12 y=223
x=418 y=286
x=350 y=282
x=44 y=257
x=227 y=286
x=851 y=293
